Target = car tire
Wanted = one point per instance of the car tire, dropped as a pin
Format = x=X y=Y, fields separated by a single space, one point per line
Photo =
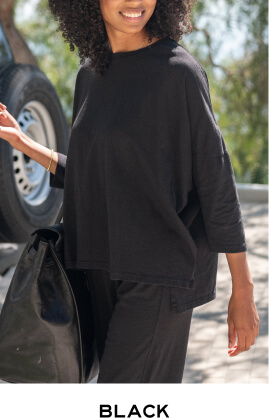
x=26 y=199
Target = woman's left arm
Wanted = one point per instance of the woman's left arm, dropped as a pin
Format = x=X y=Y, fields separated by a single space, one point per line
x=243 y=318
x=215 y=183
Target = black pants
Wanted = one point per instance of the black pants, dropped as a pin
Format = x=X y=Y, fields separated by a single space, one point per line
x=139 y=338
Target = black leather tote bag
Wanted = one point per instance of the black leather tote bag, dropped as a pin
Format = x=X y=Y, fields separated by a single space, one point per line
x=46 y=324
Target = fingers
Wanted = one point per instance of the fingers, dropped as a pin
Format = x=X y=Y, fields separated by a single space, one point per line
x=10 y=135
x=231 y=335
x=248 y=342
x=2 y=110
x=5 y=129
x=233 y=351
x=240 y=346
x=244 y=343
x=257 y=328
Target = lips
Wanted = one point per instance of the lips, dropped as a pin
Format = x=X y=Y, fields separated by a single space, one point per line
x=134 y=20
x=132 y=11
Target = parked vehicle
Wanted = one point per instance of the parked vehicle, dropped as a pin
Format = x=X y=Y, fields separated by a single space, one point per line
x=26 y=199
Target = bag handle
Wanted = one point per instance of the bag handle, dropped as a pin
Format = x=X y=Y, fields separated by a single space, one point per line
x=60 y=215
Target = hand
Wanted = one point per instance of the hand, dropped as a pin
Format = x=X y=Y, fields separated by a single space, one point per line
x=243 y=320
x=9 y=128
x=6 y=119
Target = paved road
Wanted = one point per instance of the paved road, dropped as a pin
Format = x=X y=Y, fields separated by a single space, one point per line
x=207 y=359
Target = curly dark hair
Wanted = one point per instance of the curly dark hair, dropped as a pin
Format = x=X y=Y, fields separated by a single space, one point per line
x=82 y=25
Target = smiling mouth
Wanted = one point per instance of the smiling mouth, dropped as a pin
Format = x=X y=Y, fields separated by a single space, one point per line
x=132 y=14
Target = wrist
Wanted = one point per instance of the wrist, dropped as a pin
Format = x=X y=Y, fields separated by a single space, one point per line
x=16 y=139
x=244 y=287
x=23 y=141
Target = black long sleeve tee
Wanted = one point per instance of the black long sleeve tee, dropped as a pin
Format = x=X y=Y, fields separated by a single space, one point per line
x=149 y=190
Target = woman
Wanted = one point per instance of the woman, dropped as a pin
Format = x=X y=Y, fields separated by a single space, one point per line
x=150 y=197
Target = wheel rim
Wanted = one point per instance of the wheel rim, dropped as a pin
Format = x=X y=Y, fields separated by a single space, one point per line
x=32 y=180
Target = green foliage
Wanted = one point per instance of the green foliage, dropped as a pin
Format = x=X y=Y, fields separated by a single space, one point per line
x=238 y=84
x=244 y=118
x=52 y=53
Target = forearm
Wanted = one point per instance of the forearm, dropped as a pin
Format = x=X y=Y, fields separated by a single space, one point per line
x=241 y=278
x=37 y=152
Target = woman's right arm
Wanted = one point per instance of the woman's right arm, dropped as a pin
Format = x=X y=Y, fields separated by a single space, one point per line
x=11 y=132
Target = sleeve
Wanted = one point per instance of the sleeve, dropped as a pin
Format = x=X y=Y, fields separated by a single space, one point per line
x=57 y=179
x=212 y=170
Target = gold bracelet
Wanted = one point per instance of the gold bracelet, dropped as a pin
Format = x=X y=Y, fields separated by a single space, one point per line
x=48 y=169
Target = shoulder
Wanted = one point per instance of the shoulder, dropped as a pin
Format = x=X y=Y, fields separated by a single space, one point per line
x=85 y=70
x=85 y=74
x=182 y=64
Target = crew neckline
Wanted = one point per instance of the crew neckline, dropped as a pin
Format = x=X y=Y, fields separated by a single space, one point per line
x=138 y=51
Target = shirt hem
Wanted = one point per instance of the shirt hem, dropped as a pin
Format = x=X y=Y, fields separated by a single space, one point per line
x=131 y=277
x=231 y=249
x=194 y=303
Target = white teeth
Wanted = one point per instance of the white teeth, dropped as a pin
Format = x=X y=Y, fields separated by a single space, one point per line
x=132 y=14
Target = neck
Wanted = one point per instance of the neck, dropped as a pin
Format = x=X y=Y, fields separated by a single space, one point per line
x=127 y=43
